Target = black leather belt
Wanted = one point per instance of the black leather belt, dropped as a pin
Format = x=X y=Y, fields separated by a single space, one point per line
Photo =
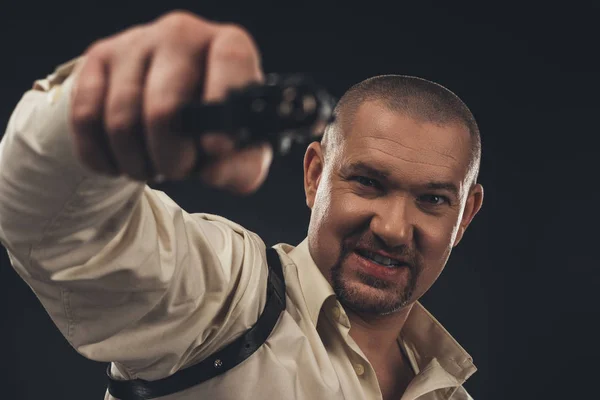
x=221 y=361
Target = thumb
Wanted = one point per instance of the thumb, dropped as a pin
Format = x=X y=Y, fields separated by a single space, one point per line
x=241 y=172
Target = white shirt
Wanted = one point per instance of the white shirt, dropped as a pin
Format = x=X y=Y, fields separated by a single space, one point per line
x=130 y=278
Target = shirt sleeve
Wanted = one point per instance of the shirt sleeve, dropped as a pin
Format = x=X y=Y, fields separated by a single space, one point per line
x=126 y=275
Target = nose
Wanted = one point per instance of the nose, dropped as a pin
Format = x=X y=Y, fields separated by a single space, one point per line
x=392 y=223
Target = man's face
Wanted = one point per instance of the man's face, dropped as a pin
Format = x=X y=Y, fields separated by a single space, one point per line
x=388 y=205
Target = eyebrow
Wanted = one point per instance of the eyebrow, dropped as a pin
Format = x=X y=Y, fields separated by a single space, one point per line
x=361 y=167
x=447 y=186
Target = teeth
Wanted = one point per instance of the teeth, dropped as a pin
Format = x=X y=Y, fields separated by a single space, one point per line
x=385 y=261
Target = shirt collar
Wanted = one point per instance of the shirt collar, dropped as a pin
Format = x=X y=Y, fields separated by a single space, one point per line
x=427 y=342
x=315 y=287
x=423 y=338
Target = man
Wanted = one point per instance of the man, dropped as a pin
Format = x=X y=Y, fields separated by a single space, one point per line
x=132 y=279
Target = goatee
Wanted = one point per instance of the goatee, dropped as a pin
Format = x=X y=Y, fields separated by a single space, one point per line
x=391 y=300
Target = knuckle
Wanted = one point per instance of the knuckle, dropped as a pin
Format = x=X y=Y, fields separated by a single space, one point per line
x=175 y=16
x=240 y=55
x=84 y=108
x=83 y=113
x=122 y=111
x=236 y=44
x=133 y=39
x=160 y=112
x=89 y=83
x=126 y=96
x=119 y=123
x=137 y=30
x=100 y=49
x=116 y=45
x=179 y=21
x=236 y=31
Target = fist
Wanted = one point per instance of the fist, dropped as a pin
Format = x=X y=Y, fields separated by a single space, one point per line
x=130 y=87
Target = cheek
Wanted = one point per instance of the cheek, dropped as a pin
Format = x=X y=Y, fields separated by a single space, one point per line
x=322 y=207
x=321 y=240
x=434 y=252
x=346 y=212
x=336 y=215
x=435 y=243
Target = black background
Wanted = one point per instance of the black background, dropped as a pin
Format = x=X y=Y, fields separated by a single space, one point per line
x=518 y=293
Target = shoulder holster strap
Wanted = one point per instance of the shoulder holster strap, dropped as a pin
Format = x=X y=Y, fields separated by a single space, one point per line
x=221 y=361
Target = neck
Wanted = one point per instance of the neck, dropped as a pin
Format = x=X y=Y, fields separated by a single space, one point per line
x=377 y=334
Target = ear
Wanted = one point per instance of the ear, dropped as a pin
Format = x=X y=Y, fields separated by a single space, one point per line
x=313 y=169
x=472 y=207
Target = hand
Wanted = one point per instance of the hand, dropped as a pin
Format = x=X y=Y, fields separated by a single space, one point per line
x=129 y=88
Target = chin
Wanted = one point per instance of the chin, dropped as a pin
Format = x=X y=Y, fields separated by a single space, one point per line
x=369 y=296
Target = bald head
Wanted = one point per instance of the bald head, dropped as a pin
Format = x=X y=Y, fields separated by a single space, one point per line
x=418 y=98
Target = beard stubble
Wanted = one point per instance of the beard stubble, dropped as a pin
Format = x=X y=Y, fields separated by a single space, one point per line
x=391 y=297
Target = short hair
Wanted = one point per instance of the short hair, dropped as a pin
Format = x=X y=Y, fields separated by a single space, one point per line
x=417 y=97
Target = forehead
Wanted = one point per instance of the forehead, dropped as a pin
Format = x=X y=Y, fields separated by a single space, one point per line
x=399 y=142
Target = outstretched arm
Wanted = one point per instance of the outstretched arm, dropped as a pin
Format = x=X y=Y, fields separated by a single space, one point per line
x=127 y=275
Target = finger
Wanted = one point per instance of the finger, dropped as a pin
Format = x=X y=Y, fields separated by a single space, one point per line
x=86 y=113
x=212 y=146
x=123 y=114
x=233 y=61
x=216 y=144
x=173 y=80
x=242 y=172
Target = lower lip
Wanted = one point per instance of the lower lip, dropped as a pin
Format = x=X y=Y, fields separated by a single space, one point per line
x=372 y=268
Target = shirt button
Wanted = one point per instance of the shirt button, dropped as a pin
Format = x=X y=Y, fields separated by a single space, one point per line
x=359 y=369
x=336 y=313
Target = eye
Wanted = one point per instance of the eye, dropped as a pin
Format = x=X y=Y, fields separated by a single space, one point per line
x=434 y=199
x=364 y=181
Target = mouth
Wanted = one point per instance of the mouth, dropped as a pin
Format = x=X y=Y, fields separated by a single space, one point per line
x=380 y=266
x=379 y=259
